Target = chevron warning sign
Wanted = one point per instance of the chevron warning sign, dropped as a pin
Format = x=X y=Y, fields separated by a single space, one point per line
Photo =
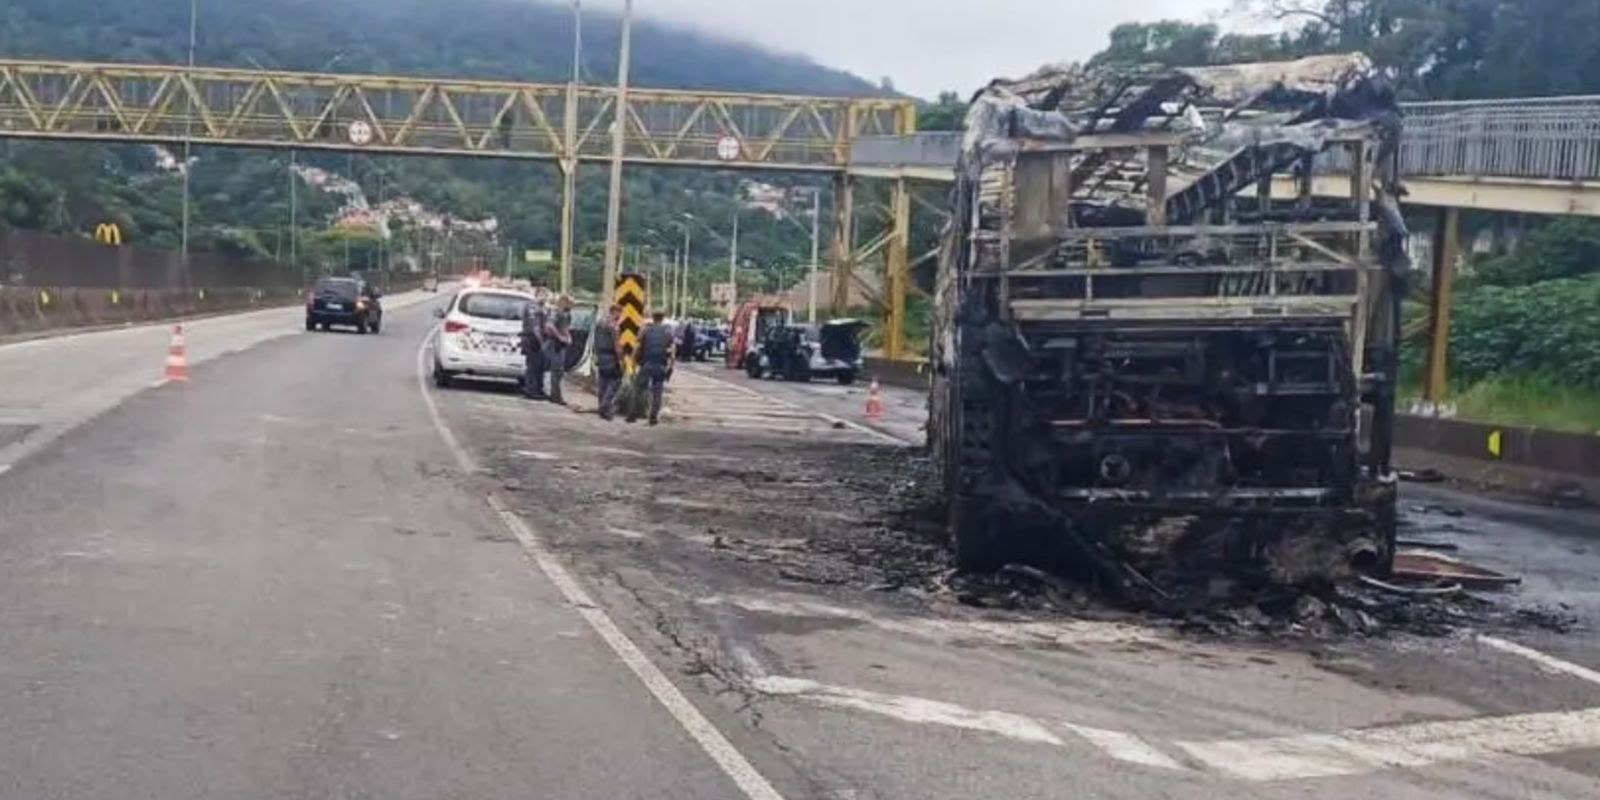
x=631 y=296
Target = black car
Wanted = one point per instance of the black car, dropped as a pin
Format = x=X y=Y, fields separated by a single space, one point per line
x=349 y=302
x=803 y=352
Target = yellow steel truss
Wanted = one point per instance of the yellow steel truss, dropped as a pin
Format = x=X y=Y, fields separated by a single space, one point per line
x=429 y=116
x=462 y=117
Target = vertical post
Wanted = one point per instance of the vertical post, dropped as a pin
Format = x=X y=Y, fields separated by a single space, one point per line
x=1446 y=250
x=569 y=151
x=1156 y=185
x=816 y=247
x=294 y=213
x=188 y=126
x=1361 y=195
x=733 y=260
x=619 y=135
x=569 y=191
x=844 y=245
x=898 y=268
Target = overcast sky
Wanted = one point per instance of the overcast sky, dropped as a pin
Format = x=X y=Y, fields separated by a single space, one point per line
x=924 y=45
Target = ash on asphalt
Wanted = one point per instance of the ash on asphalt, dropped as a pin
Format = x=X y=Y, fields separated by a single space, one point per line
x=843 y=516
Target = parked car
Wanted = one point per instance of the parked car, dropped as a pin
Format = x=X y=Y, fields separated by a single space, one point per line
x=481 y=336
x=803 y=352
x=347 y=302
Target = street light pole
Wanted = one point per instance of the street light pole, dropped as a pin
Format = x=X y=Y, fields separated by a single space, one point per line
x=733 y=264
x=619 y=131
x=194 y=30
x=816 y=221
x=683 y=273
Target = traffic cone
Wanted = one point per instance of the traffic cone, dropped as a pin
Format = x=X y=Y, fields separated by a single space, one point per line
x=874 y=401
x=177 y=357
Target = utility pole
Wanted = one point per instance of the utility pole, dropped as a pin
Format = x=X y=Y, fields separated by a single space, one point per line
x=194 y=30
x=569 y=161
x=294 y=216
x=683 y=272
x=619 y=130
x=733 y=262
x=816 y=225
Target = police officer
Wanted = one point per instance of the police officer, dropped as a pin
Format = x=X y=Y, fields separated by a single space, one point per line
x=608 y=360
x=557 y=338
x=655 y=361
x=534 y=323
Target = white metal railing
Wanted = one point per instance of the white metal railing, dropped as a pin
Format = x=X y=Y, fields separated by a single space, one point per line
x=1548 y=138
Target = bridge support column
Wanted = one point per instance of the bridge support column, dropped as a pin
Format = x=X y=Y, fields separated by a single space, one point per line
x=569 y=192
x=1446 y=249
x=897 y=269
x=844 y=245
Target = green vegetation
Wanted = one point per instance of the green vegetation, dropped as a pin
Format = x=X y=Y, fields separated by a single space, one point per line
x=241 y=199
x=1536 y=400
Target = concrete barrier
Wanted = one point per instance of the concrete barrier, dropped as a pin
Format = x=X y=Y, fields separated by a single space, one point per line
x=1547 y=464
x=40 y=309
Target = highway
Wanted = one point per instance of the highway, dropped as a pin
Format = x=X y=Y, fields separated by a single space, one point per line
x=309 y=574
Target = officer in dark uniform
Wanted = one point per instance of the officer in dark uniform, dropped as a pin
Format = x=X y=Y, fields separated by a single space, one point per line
x=534 y=322
x=655 y=361
x=608 y=360
x=557 y=338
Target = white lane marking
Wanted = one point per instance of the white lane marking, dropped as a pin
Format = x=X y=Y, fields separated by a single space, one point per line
x=1281 y=758
x=716 y=746
x=627 y=534
x=4 y=468
x=1422 y=744
x=999 y=632
x=911 y=709
x=1545 y=660
x=1125 y=747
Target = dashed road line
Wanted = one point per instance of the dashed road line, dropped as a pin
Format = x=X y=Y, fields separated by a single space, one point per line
x=716 y=746
x=1545 y=660
x=1280 y=758
x=912 y=709
x=999 y=632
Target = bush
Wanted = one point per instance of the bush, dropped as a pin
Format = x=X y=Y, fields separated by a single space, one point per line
x=1550 y=328
x=1566 y=248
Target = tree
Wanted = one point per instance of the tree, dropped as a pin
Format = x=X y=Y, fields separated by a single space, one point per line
x=948 y=114
x=1168 y=43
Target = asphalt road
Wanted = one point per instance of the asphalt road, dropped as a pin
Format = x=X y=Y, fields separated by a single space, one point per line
x=721 y=532
x=306 y=574
x=276 y=581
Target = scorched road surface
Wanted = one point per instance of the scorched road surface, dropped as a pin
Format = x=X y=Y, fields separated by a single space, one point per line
x=772 y=548
x=275 y=582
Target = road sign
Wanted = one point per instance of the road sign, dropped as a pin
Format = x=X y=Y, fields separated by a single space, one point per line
x=631 y=296
x=722 y=293
x=538 y=256
x=360 y=132
x=728 y=148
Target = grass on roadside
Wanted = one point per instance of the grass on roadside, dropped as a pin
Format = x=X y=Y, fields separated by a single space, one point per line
x=1532 y=400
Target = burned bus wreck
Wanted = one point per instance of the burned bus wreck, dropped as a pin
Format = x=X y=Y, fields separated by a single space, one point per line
x=1149 y=363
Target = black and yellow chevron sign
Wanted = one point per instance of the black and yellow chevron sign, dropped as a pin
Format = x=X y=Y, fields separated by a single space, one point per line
x=631 y=296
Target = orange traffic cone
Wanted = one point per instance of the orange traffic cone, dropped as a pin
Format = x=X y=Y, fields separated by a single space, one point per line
x=177 y=357
x=874 y=401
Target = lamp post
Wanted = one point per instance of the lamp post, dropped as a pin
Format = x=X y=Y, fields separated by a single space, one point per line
x=194 y=30
x=619 y=130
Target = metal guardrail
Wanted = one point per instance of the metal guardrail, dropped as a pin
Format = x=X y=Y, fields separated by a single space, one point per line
x=1550 y=138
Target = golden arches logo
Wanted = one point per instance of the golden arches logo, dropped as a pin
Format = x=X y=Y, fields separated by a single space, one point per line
x=108 y=234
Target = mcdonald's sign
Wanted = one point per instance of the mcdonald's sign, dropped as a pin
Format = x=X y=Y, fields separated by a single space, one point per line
x=108 y=234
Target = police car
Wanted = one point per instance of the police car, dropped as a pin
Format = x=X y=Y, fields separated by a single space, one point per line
x=481 y=336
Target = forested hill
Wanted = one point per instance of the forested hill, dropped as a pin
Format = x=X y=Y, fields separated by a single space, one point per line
x=241 y=199
x=513 y=39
